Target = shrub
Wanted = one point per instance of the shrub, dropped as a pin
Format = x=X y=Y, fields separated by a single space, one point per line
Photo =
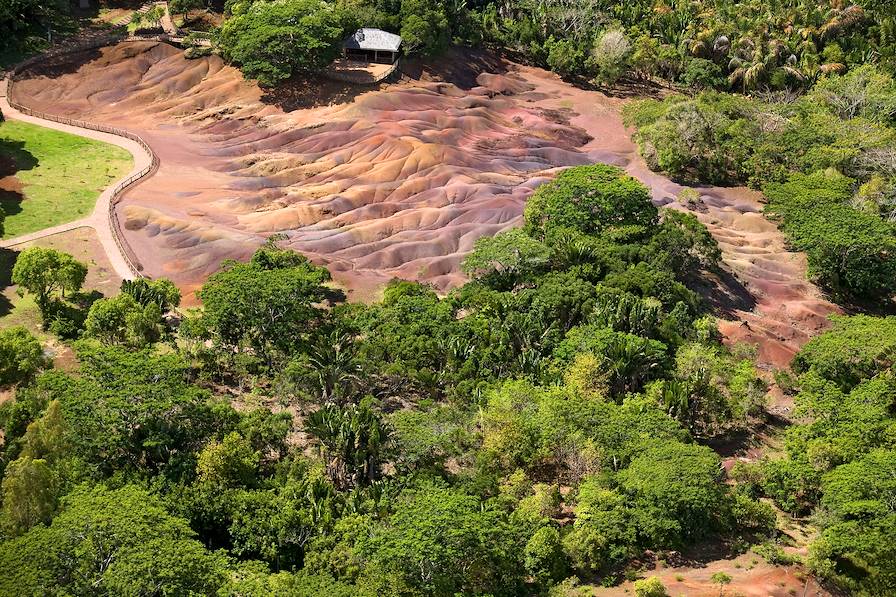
x=702 y=74
x=773 y=554
x=21 y=355
x=589 y=199
x=650 y=587
x=565 y=57
x=611 y=56
x=850 y=252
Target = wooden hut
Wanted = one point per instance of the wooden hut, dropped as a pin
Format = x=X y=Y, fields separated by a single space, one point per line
x=372 y=45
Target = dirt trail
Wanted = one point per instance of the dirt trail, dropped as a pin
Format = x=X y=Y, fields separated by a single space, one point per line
x=392 y=182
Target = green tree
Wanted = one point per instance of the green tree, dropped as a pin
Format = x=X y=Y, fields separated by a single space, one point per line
x=857 y=505
x=506 y=257
x=270 y=304
x=134 y=410
x=21 y=355
x=544 y=558
x=183 y=7
x=849 y=251
x=855 y=348
x=603 y=535
x=43 y=272
x=276 y=525
x=676 y=493
x=271 y=41
x=228 y=464
x=121 y=540
x=682 y=244
x=425 y=28
x=29 y=495
x=20 y=19
x=45 y=438
x=122 y=320
x=589 y=199
x=443 y=541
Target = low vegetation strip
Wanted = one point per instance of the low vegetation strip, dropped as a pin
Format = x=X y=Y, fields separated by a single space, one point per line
x=61 y=175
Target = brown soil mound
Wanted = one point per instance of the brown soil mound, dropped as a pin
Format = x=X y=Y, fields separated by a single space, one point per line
x=399 y=181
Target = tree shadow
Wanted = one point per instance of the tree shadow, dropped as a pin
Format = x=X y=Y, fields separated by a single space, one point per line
x=13 y=158
x=852 y=305
x=700 y=554
x=734 y=443
x=724 y=293
x=84 y=299
x=7 y=261
x=312 y=91
x=458 y=66
x=62 y=64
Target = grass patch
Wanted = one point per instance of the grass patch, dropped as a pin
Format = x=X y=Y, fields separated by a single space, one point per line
x=61 y=175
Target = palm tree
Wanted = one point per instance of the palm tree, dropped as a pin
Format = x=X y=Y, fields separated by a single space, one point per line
x=628 y=313
x=840 y=19
x=630 y=362
x=352 y=441
x=334 y=366
x=675 y=397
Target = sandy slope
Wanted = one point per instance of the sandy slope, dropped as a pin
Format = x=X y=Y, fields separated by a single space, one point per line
x=392 y=182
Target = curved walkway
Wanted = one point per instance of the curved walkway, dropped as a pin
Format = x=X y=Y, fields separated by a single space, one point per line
x=99 y=220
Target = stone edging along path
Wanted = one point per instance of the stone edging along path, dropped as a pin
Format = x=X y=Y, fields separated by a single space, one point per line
x=103 y=218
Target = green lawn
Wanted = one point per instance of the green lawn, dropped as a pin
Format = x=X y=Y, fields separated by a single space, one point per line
x=61 y=175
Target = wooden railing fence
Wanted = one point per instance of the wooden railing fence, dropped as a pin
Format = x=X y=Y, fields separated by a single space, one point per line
x=119 y=190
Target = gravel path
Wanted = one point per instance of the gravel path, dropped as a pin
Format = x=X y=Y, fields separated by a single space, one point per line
x=99 y=220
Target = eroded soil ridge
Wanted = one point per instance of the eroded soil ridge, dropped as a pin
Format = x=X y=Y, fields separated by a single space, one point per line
x=391 y=182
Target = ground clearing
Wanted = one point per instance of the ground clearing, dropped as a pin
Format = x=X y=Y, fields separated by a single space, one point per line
x=15 y=310
x=48 y=177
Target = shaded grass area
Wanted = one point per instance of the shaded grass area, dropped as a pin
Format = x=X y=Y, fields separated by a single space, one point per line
x=60 y=175
x=11 y=56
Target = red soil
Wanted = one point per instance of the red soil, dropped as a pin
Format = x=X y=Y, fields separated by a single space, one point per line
x=747 y=580
x=397 y=181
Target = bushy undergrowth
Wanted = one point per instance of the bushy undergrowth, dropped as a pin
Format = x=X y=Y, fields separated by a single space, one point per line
x=825 y=162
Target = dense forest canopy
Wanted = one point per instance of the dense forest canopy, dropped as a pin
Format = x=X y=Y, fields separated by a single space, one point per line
x=786 y=44
x=577 y=372
x=542 y=426
x=704 y=44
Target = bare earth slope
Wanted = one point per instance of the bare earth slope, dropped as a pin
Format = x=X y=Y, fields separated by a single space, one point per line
x=396 y=182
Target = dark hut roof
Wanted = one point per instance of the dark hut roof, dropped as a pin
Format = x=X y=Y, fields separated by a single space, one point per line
x=368 y=38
